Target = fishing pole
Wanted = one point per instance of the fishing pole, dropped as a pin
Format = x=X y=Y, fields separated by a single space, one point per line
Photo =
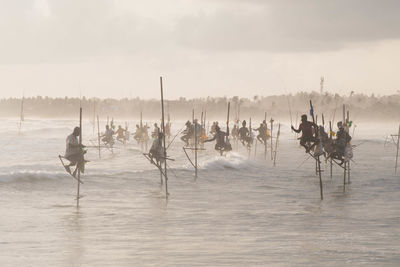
x=101 y=147
x=290 y=111
x=355 y=146
x=175 y=137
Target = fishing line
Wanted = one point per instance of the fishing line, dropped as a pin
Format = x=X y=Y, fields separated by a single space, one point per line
x=175 y=137
x=303 y=162
x=170 y=169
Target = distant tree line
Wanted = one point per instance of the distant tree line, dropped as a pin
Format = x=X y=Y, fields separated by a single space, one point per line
x=279 y=107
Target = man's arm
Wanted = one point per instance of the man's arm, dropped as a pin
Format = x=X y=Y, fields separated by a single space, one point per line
x=296 y=130
x=212 y=139
x=348 y=138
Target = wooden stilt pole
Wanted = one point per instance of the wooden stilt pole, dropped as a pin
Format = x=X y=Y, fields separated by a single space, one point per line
x=255 y=149
x=94 y=115
x=265 y=142
x=316 y=168
x=169 y=125
x=98 y=135
x=344 y=122
x=146 y=140
x=316 y=163
x=272 y=126
x=397 y=151
x=348 y=172
x=297 y=115
x=344 y=116
x=318 y=158
x=320 y=179
x=164 y=143
x=142 y=132
x=276 y=143
x=205 y=116
x=348 y=131
x=78 y=189
x=78 y=164
x=330 y=136
x=21 y=115
x=227 y=124
x=195 y=150
x=250 y=133
x=344 y=176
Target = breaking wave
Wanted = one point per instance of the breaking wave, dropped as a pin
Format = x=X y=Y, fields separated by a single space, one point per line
x=24 y=175
x=233 y=161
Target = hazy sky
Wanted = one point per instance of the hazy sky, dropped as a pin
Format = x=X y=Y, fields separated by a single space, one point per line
x=119 y=48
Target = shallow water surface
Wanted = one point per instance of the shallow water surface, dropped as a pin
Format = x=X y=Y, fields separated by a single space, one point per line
x=240 y=211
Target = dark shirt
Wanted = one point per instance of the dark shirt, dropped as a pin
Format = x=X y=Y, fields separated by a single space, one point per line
x=243 y=132
x=306 y=128
x=343 y=137
x=220 y=137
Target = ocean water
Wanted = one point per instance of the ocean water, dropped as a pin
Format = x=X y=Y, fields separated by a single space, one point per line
x=240 y=211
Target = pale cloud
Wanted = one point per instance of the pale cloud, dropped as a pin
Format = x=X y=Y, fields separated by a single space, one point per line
x=291 y=26
x=115 y=48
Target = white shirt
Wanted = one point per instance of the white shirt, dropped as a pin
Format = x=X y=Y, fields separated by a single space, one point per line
x=109 y=134
x=74 y=149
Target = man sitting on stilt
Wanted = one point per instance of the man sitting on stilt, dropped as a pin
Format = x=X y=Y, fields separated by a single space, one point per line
x=74 y=152
x=306 y=127
x=221 y=144
x=157 y=150
x=341 y=142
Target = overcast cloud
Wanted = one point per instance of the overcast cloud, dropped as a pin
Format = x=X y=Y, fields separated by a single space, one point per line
x=217 y=47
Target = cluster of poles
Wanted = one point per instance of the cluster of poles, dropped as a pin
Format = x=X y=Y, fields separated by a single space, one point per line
x=396 y=141
x=273 y=147
x=346 y=165
x=199 y=146
x=162 y=166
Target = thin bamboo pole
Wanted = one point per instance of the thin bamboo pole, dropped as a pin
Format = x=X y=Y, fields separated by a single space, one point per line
x=21 y=116
x=348 y=131
x=98 y=135
x=195 y=150
x=94 y=116
x=255 y=149
x=318 y=161
x=78 y=164
x=344 y=176
x=397 y=150
x=265 y=142
x=276 y=143
x=163 y=130
x=330 y=136
x=348 y=172
x=272 y=126
x=250 y=135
